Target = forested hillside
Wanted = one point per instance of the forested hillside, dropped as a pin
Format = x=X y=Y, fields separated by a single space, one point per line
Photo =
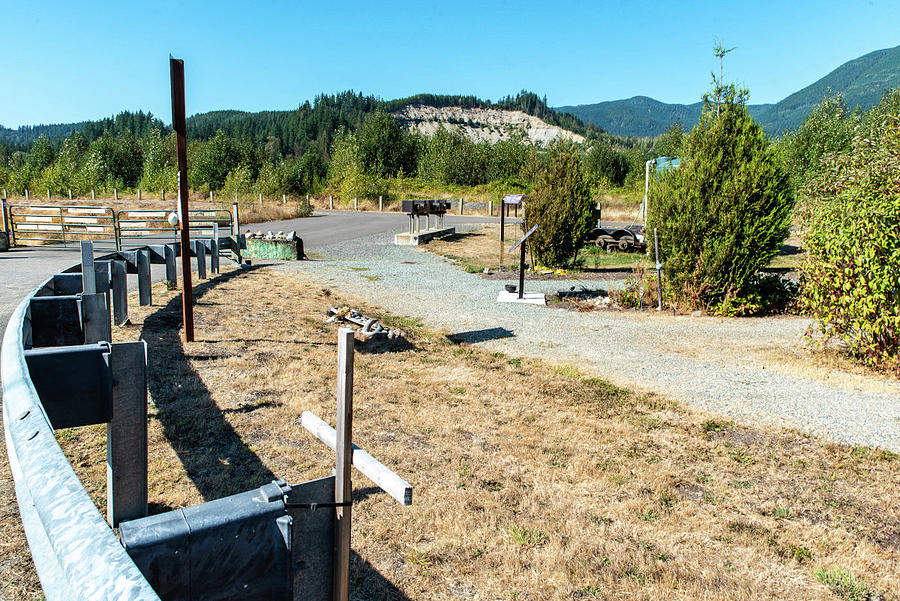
x=861 y=81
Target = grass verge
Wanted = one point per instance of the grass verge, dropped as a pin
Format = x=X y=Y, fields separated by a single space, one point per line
x=532 y=480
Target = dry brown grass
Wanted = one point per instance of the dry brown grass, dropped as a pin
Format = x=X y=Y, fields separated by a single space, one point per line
x=531 y=480
x=479 y=248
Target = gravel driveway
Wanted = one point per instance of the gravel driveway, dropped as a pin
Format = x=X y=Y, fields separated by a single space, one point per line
x=748 y=369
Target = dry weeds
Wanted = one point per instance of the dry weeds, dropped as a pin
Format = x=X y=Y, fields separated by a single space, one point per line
x=531 y=480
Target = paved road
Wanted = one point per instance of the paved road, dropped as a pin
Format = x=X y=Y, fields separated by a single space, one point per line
x=330 y=227
x=23 y=269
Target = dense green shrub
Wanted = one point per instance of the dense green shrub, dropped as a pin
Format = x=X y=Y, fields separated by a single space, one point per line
x=851 y=214
x=829 y=128
x=725 y=213
x=670 y=143
x=560 y=205
x=605 y=165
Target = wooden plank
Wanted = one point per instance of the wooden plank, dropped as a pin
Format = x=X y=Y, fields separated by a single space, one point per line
x=370 y=467
x=343 y=488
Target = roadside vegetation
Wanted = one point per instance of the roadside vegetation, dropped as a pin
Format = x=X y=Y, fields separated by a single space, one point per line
x=532 y=479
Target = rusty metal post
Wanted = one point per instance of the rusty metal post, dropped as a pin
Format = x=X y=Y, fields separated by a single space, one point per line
x=176 y=74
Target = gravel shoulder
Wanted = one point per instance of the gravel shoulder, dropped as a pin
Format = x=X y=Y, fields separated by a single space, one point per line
x=747 y=369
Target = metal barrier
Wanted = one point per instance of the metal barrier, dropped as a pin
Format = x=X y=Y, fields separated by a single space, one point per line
x=75 y=552
x=40 y=224
x=58 y=370
x=134 y=225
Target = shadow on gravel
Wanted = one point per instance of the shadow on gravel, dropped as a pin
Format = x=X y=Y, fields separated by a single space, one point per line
x=378 y=347
x=475 y=336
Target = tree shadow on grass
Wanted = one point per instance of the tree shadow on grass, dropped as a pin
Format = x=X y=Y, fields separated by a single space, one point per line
x=215 y=458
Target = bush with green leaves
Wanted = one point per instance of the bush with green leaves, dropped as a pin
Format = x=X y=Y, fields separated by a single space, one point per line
x=828 y=129
x=851 y=217
x=561 y=206
x=724 y=214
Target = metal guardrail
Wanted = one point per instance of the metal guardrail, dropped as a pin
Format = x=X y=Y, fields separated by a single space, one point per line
x=277 y=542
x=75 y=552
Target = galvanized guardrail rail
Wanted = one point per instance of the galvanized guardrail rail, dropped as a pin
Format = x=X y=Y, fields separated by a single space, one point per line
x=59 y=370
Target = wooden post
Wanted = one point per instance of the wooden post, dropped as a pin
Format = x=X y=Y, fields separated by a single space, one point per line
x=461 y=201
x=48 y=193
x=163 y=193
x=380 y=203
x=343 y=458
x=126 y=434
x=235 y=224
x=115 y=194
x=331 y=202
x=176 y=75
x=70 y=193
x=490 y=208
x=139 y=193
x=92 y=194
x=26 y=194
x=355 y=204
x=212 y=198
x=284 y=199
x=260 y=198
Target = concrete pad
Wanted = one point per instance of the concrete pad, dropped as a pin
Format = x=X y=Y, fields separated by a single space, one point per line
x=422 y=237
x=531 y=298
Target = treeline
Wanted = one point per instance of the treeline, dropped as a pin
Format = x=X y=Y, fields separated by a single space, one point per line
x=338 y=142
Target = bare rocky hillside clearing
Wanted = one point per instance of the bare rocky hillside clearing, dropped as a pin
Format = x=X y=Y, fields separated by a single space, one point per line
x=482 y=125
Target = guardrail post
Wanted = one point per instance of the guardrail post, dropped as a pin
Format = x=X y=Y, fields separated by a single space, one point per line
x=126 y=434
x=6 y=221
x=214 y=250
x=95 y=317
x=119 y=283
x=200 y=252
x=171 y=270
x=143 y=267
x=88 y=275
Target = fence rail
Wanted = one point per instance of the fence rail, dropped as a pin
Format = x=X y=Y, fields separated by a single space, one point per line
x=60 y=224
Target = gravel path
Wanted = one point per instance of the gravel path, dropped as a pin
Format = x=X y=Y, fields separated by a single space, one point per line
x=748 y=369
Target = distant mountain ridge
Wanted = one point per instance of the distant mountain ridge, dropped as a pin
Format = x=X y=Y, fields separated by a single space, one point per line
x=862 y=81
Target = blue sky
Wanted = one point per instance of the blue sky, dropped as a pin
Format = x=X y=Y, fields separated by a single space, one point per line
x=68 y=61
